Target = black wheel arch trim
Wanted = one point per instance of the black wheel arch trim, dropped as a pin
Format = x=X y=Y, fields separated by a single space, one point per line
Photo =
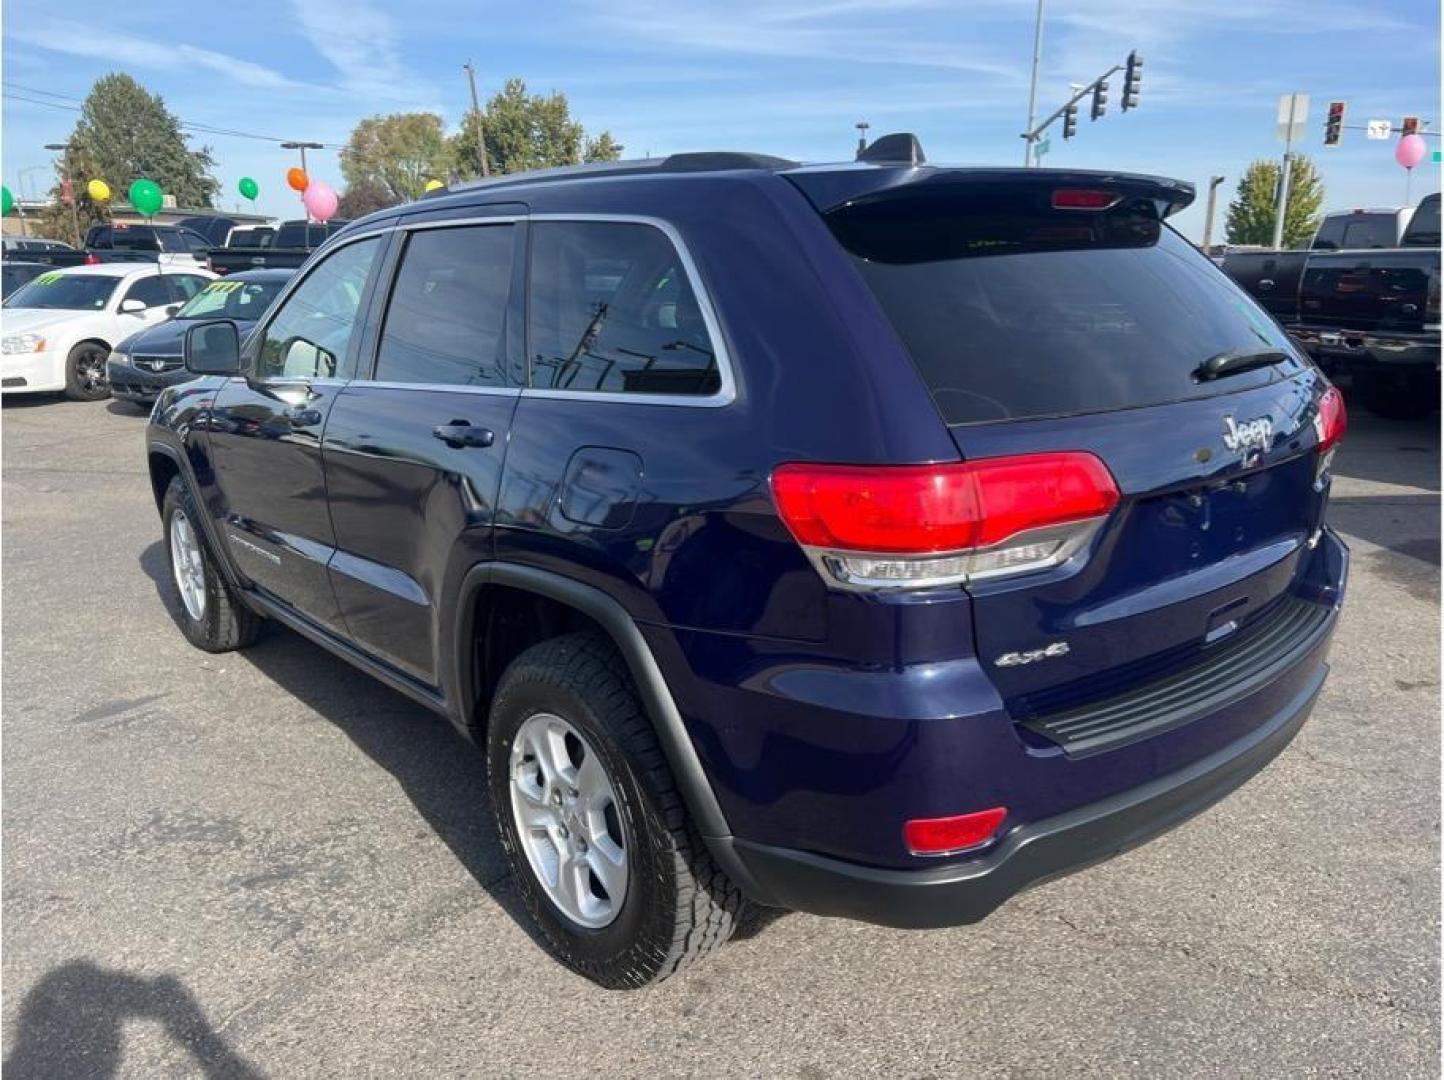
x=183 y=468
x=647 y=675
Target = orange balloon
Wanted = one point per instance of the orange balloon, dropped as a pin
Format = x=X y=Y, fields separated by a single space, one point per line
x=297 y=179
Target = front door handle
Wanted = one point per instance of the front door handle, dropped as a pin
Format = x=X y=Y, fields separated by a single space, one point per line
x=462 y=433
x=302 y=416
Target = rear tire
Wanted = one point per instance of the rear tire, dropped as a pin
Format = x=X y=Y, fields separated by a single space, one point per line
x=678 y=905
x=1398 y=395
x=211 y=617
x=85 y=378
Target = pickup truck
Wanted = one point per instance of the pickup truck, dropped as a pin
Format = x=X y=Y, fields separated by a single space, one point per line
x=289 y=248
x=168 y=245
x=1371 y=313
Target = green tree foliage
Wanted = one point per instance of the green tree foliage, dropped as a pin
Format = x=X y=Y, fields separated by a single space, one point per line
x=124 y=133
x=528 y=131
x=364 y=197
x=397 y=154
x=1251 y=213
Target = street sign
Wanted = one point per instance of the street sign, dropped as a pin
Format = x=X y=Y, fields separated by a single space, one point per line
x=1293 y=112
x=1379 y=129
x=1041 y=147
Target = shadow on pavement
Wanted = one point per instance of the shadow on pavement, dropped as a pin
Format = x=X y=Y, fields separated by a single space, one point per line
x=72 y=1021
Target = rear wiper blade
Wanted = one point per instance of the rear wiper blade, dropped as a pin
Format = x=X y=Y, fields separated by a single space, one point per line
x=1237 y=360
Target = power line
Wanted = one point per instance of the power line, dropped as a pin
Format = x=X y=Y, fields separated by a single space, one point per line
x=205 y=129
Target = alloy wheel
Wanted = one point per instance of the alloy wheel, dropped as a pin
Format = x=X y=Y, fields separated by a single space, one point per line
x=568 y=821
x=188 y=565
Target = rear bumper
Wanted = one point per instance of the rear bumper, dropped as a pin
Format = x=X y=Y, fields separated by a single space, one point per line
x=1350 y=349
x=1030 y=855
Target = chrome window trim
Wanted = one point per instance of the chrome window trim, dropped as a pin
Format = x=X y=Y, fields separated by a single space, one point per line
x=726 y=392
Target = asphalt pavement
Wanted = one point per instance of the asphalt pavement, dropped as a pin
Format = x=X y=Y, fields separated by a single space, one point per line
x=266 y=864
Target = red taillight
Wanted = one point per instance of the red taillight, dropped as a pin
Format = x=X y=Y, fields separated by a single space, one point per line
x=92 y=259
x=950 y=835
x=1084 y=199
x=923 y=509
x=1332 y=420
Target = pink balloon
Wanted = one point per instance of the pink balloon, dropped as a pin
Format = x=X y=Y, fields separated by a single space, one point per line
x=320 y=200
x=1410 y=151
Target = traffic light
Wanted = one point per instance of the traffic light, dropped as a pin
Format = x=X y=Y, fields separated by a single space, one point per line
x=1132 y=78
x=1410 y=126
x=1334 y=125
x=1070 y=121
x=1100 y=98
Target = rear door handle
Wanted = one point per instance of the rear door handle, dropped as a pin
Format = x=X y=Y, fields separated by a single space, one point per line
x=462 y=433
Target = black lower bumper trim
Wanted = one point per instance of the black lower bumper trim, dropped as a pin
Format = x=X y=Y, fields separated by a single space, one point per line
x=1038 y=852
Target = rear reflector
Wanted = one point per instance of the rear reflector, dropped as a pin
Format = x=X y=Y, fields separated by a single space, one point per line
x=1081 y=199
x=944 y=523
x=950 y=835
x=1331 y=421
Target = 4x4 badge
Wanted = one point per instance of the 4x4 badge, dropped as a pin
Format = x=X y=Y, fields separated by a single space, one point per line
x=1018 y=659
x=1252 y=434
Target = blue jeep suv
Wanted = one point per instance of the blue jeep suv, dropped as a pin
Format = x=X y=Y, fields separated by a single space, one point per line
x=875 y=539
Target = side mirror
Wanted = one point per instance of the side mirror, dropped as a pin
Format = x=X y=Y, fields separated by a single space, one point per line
x=213 y=348
x=171 y=309
x=130 y=307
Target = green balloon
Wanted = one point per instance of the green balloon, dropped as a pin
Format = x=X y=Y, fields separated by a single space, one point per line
x=249 y=188
x=145 y=197
x=6 y=200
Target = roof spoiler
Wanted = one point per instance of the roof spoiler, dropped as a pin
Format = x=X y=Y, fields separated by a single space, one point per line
x=829 y=188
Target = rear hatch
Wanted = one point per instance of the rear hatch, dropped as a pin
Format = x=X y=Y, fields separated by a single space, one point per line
x=1054 y=314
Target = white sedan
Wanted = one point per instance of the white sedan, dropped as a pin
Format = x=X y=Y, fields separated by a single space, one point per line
x=57 y=330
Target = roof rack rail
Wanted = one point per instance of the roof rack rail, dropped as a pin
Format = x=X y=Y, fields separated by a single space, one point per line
x=703 y=161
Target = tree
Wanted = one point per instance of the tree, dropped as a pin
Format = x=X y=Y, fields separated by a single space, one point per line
x=396 y=154
x=1251 y=213
x=362 y=198
x=528 y=131
x=125 y=132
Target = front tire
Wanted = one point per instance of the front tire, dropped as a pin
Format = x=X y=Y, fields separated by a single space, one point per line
x=85 y=378
x=577 y=778
x=211 y=617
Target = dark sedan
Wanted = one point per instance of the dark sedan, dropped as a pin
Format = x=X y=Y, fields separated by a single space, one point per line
x=146 y=363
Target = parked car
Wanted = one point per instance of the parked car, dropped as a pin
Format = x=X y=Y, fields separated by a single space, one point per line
x=259 y=236
x=291 y=246
x=215 y=229
x=144 y=364
x=59 y=328
x=1353 y=230
x=875 y=539
x=1372 y=313
x=27 y=246
x=16 y=274
x=170 y=245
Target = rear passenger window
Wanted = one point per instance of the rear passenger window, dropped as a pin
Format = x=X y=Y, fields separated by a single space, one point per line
x=612 y=310
x=446 y=319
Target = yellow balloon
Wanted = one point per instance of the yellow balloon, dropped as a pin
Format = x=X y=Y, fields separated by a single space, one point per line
x=434 y=185
x=98 y=190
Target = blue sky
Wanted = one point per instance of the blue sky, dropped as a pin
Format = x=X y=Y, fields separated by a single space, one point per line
x=789 y=77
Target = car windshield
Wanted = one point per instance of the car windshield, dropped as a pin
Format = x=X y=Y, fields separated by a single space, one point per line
x=231 y=300
x=72 y=292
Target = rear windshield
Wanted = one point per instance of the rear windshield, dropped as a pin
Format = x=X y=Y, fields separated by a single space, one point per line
x=1349 y=231
x=1012 y=310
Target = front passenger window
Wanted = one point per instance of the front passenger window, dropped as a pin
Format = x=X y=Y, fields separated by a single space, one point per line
x=310 y=334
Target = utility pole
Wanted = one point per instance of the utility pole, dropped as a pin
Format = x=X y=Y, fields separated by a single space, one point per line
x=1213 y=182
x=862 y=126
x=69 y=183
x=476 y=110
x=1028 y=156
x=1281 y=205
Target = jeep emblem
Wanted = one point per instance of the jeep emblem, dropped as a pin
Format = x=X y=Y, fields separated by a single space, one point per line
x=1250 y=435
